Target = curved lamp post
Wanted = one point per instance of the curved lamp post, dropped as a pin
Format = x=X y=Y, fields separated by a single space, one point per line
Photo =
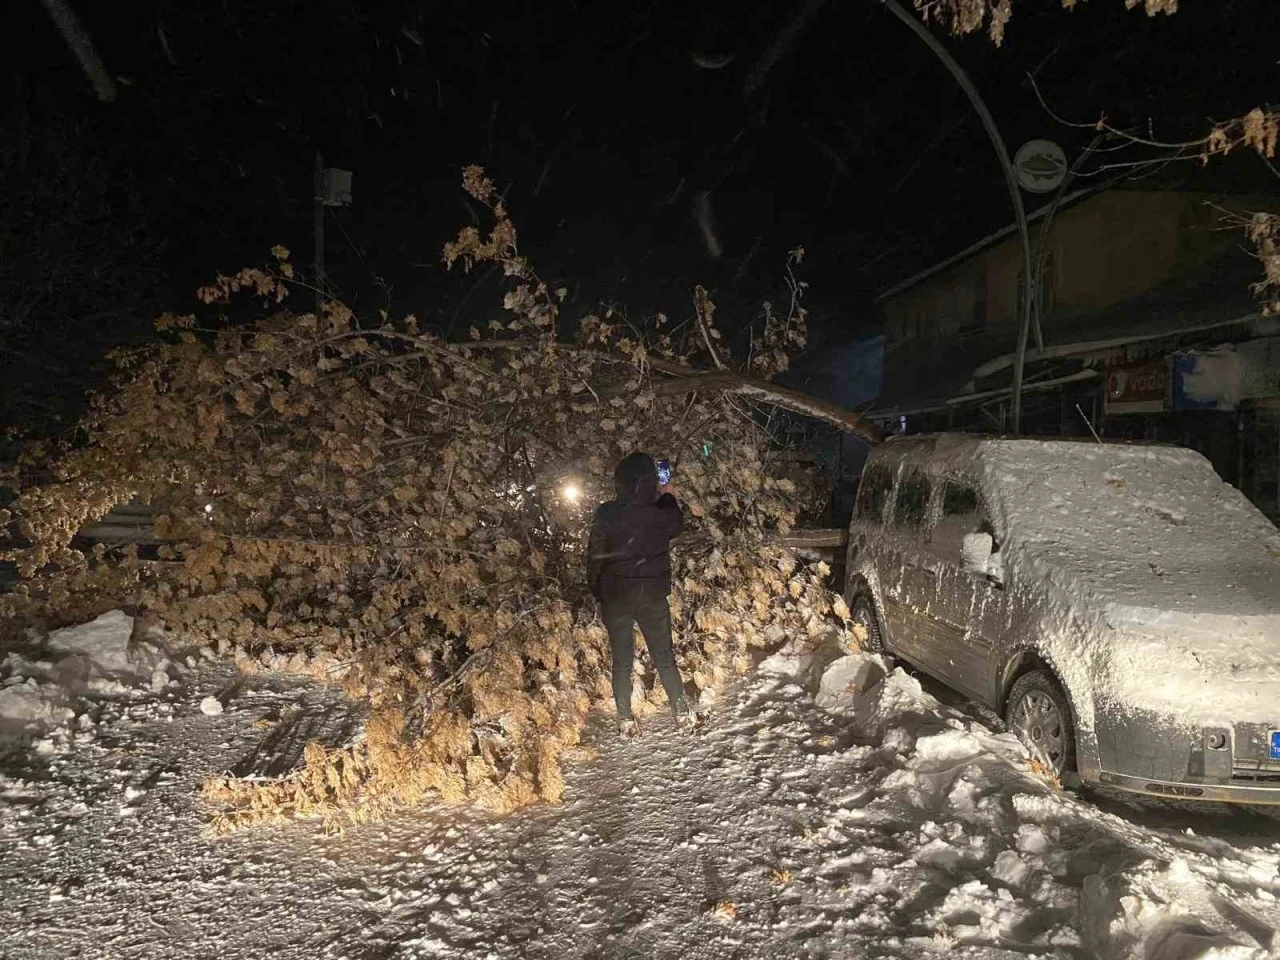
x=1024 y=307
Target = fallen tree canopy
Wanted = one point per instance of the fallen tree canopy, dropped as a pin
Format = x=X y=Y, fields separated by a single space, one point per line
x=407 y=516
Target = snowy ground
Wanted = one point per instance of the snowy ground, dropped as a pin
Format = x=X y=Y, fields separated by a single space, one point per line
x=894 y=826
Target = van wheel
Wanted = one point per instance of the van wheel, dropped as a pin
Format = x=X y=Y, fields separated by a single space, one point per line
x=863 y=613
x=1039 y=713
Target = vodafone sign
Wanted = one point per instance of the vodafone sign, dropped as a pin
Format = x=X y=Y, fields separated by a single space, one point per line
x=1138 y=388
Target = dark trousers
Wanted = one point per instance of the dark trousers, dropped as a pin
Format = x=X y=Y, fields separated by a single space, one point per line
x=624 y=604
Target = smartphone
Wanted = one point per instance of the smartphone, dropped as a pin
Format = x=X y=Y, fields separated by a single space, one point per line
x=664 y=472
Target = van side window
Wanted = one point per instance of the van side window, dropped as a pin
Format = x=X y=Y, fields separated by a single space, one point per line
x=913 y=499
x=873 y=492
x=962 y=514
x=959 y=500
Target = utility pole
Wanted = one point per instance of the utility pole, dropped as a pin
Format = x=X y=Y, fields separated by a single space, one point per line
x=1020 y=214
x=319 y=230
x=1042 y=245
x=332 y=188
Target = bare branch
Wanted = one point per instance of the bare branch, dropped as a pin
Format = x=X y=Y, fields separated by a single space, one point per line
x=81 y=44
x=704 y=309
x=802 y=403
x=783 y=40
x=1256 y=129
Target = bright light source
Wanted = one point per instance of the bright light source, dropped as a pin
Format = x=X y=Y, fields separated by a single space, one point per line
x=571 y=492
x=208 y=508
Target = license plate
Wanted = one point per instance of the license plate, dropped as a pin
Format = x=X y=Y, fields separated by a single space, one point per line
x=1275 y=744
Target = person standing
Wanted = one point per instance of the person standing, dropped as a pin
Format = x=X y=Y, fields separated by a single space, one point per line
x=629 y=573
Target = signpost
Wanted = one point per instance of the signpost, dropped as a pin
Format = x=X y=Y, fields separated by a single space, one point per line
x=332 y=188
x=1040 y=165
x=1002 y=153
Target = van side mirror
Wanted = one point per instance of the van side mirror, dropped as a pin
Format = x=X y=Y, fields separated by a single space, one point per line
x=975 y=552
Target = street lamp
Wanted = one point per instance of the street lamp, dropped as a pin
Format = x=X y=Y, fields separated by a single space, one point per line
x=1024 y=307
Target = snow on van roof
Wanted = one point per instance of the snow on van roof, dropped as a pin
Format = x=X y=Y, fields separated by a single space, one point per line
x=944 y=450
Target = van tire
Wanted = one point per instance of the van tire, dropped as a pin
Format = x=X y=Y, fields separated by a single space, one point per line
x=862 y=611
x=1038 y=712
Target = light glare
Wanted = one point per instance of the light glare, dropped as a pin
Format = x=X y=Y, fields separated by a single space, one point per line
x=571 y=493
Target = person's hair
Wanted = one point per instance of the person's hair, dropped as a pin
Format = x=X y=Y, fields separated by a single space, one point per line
x=636 y=478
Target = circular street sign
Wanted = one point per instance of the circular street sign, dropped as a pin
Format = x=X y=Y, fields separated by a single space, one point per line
x=1040 y=166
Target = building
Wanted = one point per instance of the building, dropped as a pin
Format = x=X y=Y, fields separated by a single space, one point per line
x=1148 y=328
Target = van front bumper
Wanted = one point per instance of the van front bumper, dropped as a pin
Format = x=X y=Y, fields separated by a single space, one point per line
x=1152 y=755
x=1230 y=791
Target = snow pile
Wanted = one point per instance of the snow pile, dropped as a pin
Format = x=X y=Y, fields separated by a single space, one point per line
x=1160 y=909
x=26 y=703
x=48 y=682
x=795 y=658
x=804 y=659
x=1034 y=868
x=96 y=657
x=846 y=683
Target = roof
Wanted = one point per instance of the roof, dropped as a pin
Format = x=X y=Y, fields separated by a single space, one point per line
x=1077 y=348
x=989 y=241
x=1028 y=386
x=1236 y=174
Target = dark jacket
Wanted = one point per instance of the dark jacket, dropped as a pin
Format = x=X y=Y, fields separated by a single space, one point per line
x=631 y=535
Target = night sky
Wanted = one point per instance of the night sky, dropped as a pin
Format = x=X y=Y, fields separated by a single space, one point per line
x=602 y=121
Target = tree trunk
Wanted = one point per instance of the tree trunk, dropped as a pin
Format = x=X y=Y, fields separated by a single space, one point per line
x=81 y=44
x=689 y=380
x=818 y=538
x=794 y=400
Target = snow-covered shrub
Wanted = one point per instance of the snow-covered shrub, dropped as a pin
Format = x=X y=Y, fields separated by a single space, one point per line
x=377 y=506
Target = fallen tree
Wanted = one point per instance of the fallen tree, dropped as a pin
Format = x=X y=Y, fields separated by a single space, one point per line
x=378 y=507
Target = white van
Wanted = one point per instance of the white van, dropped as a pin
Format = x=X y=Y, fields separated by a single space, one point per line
x=1118 y=604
